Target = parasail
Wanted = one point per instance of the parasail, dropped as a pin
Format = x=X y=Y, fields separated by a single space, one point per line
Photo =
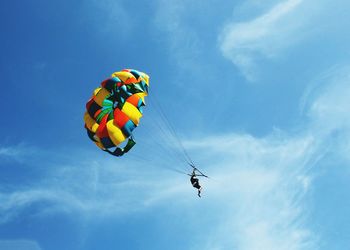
x=115 y=109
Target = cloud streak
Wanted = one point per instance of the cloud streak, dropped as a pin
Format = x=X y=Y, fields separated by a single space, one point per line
x=19 y=245
x=262 y=37
x=108 y=17
x=183 y=41
x=263 y=181
x=84 y=186
x=255 y=196
x=330 y=108
x=261 y=186
x=14 y=151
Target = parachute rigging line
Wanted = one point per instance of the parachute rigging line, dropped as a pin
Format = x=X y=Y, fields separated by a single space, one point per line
x=167 y=122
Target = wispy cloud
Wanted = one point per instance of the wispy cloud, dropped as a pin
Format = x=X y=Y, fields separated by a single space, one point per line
x=264 y=180
x=331 y=106
x=19 y=245
x=328 y=111
x=108 y=17
x=9 y=151
x=255 y=190
x=255 y=195
x=183 y=41
x=19 y=152
x=13 y=203
x=260 y=184
x=81 y=185
x=264 y=36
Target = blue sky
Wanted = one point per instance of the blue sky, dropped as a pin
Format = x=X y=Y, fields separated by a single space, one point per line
x=258 y=92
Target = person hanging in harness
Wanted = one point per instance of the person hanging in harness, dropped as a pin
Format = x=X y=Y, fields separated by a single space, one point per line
x=195 y=182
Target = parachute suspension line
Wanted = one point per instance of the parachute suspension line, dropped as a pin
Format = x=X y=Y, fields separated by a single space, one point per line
x=178 y=171
x=172 y=130
x=159 y=140
x=138 y=157
x=174 y=153
x=163 y=127
x=169 y=136
x=153 y=150
x=157 y=148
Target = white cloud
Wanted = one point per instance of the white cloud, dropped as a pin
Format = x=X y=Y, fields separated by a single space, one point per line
x=273 y=214
x=84 y=187
x=108 y=17
x=259 y=185
x=12 y=151
x=12 y=204
x=254 y=197
x=20 y=152
x=262 y=182
x=264 y=36
x=330 y=108
x=19 y=245
x=183 y=41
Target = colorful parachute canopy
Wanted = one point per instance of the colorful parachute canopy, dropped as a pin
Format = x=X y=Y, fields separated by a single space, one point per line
x=115 y=109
